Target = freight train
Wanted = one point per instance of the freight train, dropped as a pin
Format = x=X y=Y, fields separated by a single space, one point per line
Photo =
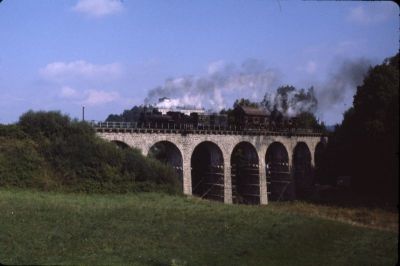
x=241 y=118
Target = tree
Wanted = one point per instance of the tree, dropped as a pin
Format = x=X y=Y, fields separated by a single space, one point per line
x=131 y=115
x=367 y=140
x=290 y=101
x=244 y=102
x=308 y=120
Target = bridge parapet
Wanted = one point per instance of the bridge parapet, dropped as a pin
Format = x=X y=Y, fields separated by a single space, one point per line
x=184 y=129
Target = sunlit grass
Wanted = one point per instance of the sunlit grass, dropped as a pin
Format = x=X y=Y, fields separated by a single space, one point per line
x=157 y=229
x=361 y=216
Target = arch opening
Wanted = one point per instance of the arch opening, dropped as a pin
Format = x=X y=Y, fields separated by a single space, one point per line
x=207 y=166
x=302 y=170
x=245 y=174
x=120 y=144
x=279 y=181
x=168 y=153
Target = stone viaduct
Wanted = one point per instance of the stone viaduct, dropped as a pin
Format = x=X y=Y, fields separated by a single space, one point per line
x=188 y=150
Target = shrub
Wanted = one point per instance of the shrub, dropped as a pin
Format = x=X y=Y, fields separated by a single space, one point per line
x=20 y=163
x=49 y=150
x=42 y=124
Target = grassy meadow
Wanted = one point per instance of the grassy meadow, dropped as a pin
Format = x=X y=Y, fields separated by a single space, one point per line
x=160 y=229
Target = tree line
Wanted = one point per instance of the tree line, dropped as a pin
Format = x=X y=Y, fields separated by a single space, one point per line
x=365 y=146
x=50 y=151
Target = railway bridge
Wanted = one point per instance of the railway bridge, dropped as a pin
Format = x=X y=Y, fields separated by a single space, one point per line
x=246 y=166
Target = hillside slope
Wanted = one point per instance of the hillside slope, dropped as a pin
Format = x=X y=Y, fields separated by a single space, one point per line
x=157 y=229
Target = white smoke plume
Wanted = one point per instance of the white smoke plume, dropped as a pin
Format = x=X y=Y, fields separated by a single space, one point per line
x=290 y=101
x=226 y=82
x=222 y=82
x=325 y=97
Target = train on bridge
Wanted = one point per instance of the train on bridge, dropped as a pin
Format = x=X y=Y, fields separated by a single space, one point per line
x=242 y=156
x=241 y=118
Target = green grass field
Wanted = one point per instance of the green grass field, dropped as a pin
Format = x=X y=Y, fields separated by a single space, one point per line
x=157 y=229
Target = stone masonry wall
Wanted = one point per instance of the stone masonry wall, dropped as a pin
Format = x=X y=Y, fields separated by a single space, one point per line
x=187 y=143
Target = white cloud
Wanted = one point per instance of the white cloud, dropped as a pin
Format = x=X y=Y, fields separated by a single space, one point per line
x=89 y=97
x=61 y=71
x=68 y=92
x=75 y=78
x=98 y=8
x=358 y=14
x=99 y=97
x=371 y=13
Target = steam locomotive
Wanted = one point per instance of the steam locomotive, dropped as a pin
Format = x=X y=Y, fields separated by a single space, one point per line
x=242 y=117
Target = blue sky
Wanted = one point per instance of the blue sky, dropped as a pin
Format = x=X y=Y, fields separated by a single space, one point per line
x=109 y=55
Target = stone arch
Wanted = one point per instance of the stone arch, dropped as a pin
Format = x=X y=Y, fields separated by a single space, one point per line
x=245 y=174
x=279 y=180
x=168 y=153
x=120 y=144
x=302 y=170
x=207 y=171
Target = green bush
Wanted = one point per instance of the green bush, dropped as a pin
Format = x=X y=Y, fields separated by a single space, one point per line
x=20 y=163
x=49 y=150
x=12 y=131
x=42 y=124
